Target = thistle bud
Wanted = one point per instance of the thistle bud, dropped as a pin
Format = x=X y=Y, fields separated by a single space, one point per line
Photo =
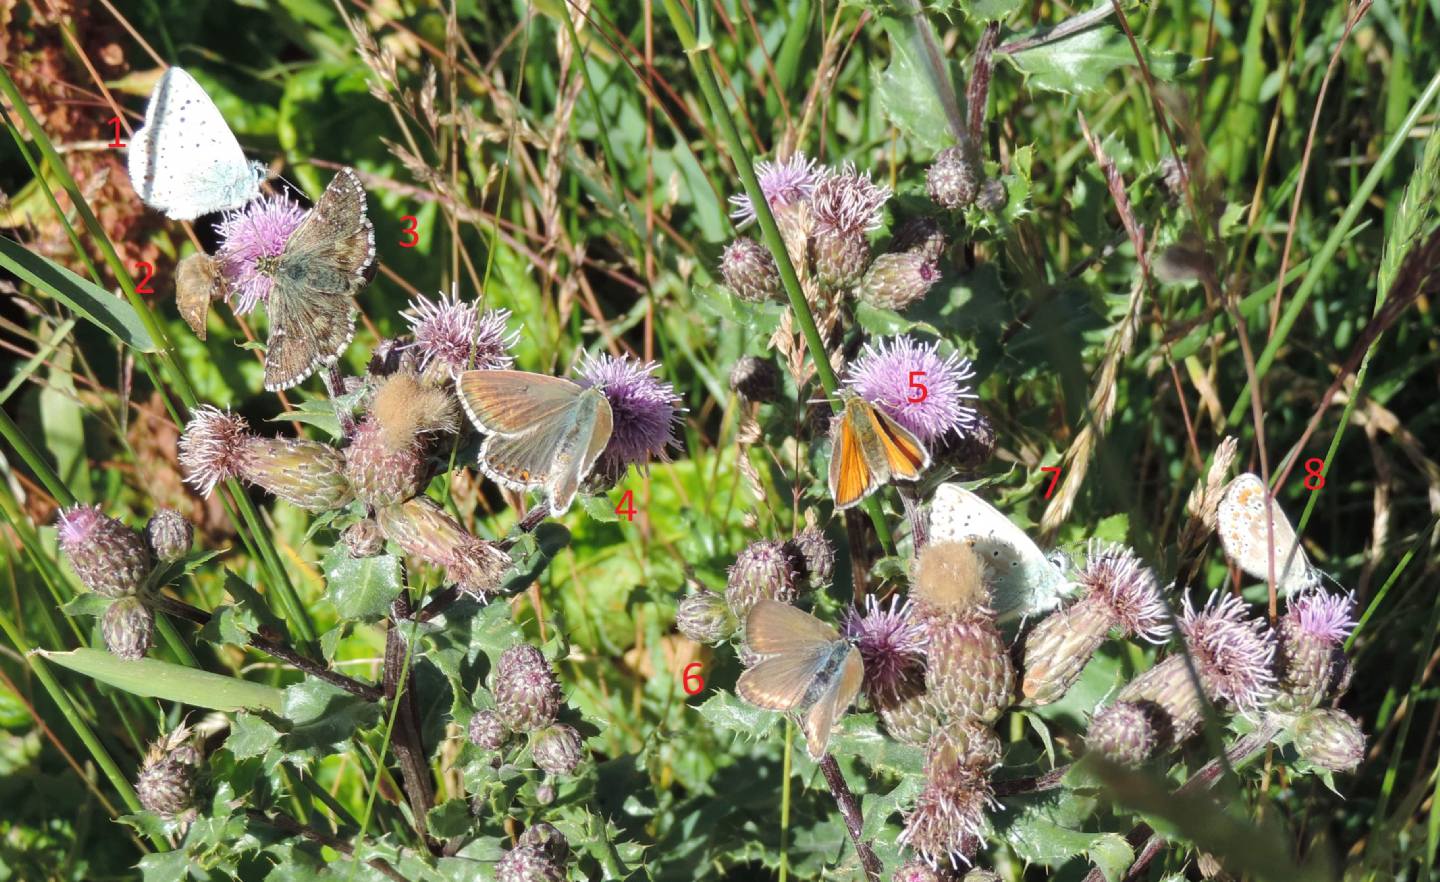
x=527 y=863
x=921 y=234
x=527 y=696
x=749 y=271
x=548 y=839
x=306 y=474
x=896 y=280
x=363 y=538
x=907 y=714
x=950 y=179
x=980 y=875
x=557 y=749
x=166 y=783
x=1330 y=739
x=381 y=474
x=969 y=675
x=110 y=558
x=128 y=628
x=1120 y=594
x=916 y=870
x=487 y=731
x=755 y=379
x=763 y=569
x=1309 y=656
x=969 y=744
x=423 y=529
x=1168 y=697
x=840 y=257
x=815 y=556
x=545 y=792
x=1124 y=733
x=169 y=535
x=992 y=196
x=705 y=618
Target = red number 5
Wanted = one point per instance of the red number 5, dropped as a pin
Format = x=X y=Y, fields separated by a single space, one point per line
x=923 y=389
x=410 y=229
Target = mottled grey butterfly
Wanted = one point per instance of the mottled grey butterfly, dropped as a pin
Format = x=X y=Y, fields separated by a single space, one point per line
x=317 y=275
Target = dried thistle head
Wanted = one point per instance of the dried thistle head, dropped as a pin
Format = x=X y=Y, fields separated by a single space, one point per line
x=405 y=409
x=949 y=575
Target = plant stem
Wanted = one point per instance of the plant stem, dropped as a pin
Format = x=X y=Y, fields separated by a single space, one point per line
x=414 y=771
x=283 y=822
x=740 y=158
x=850 y=811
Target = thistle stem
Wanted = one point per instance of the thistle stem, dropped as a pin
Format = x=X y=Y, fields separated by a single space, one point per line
x=850 y=811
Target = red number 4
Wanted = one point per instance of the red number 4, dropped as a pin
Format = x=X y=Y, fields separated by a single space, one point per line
x=688 y=678
x=626 y=508
x=1054 y=477
x=920 y=387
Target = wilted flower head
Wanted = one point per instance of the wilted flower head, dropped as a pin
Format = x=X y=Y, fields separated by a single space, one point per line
x=212 y=447
x=948 y=819
x=457 y=336
x=783 y=181
x=922 y=391
x=1322 y=616
x=251 y=238
x=645 y=410
x=891 y=644
x=1117 y=578
x=845 y=201
x=1232 y=652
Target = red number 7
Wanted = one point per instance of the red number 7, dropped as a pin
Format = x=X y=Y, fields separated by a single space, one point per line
x=1053 y=478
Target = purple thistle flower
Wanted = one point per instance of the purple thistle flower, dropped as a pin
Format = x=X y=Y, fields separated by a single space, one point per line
x=645 y=410
x=251 y=238
x=783 y=181
x=457 y=335
x=847 y=202
x=1232 y=652
x=891 y=643
x=1323 y=616
x=212 y=447
x=883 y=376
x=1121 y=581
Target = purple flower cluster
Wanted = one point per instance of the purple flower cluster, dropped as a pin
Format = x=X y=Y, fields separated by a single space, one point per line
x=891 y=643
x=646 y=410
x=784 y=182
x=1233 y=653
x=251 y=238
x=458 y=336
x=925 y=392
x=1127 y=588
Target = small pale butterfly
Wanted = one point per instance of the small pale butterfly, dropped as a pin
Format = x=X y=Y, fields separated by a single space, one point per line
x=1245 y=535
x=807 y=669
x=1023 y=580
x=185 y=161
x=197 y=282
x=317 y=274
x=869 y=449
x=541 y=431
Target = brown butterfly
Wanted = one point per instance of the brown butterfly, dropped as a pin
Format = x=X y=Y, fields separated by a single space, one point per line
x=317 y=274
x=812 y=671
x=197 y=282
x=868 y=449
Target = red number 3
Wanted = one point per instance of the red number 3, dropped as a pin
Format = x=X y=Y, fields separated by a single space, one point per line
x=410 y=229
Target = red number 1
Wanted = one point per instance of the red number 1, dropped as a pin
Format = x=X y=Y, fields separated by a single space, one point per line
x=1053 y=478
x=115 y=121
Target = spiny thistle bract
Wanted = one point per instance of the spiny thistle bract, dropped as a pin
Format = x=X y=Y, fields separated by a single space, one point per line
x=169 y=535
x=128 y=627
x=527 y=695
x=110 y=558
x=705 y=617
x=765 y=568
x=167 y=779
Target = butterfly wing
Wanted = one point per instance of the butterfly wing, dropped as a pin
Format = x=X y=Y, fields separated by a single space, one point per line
x=1022 y=579
x=821 y=717
x=512 y=403
x=322 y=267
x=906 y=457
x=773 y=627
x=780 y=683
x=185 y=161
x=197 y=282
x=1245 y=535
x=590 y=431
x=851 y=476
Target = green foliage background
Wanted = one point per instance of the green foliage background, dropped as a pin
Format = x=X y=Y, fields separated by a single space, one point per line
x=594 y=208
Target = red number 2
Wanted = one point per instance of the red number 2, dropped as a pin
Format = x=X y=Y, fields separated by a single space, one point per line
x=924 y=390
x=410 y=229
x=626 y=508
x=1053 y=478
x=147 y=272
x=115 y=121
x=688 y=678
